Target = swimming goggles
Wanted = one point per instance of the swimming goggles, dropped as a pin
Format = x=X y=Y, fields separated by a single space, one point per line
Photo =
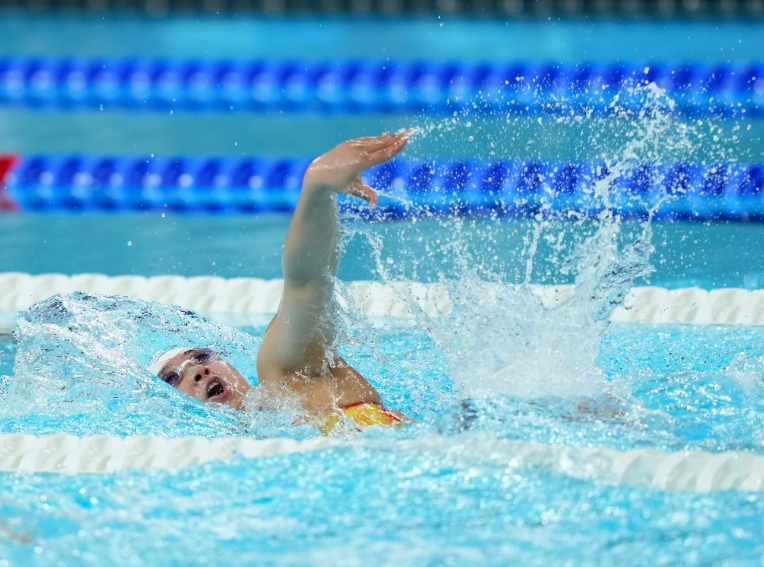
x=173 y=376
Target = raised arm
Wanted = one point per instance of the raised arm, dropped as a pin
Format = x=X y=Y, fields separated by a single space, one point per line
x=297 y=340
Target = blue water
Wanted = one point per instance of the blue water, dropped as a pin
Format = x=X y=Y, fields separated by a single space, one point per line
x=454 y=38
x=511 y=370
x=306 y=135
x=78 y=362
x=670 y=387
x=356 y=507
x=707 y=255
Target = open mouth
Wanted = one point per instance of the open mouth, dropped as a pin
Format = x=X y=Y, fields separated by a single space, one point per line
x=217 y=390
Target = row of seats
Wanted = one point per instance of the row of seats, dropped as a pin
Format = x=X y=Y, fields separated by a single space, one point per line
x=376 y=86
x=409 y=187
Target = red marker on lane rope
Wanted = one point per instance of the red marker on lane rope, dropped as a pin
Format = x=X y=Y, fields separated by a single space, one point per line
x=7 y=162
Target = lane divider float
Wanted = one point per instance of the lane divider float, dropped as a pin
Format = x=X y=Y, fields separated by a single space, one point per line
x=680 y=471
x=241 y=301
x=7 y=163
x=358 y=86
x=684 y=190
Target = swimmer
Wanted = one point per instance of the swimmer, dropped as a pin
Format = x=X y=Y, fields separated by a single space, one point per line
x=296 y=358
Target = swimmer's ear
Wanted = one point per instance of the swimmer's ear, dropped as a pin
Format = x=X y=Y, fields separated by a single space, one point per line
x=360 y=189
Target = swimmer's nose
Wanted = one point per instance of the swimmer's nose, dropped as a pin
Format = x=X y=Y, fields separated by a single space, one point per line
x=196 y=372
x=199 y=373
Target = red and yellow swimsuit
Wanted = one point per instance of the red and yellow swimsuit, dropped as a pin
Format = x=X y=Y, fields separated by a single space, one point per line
x=363 y=414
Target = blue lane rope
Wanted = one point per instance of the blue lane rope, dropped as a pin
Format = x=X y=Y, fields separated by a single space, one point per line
x=376 y=86
x=237 y=185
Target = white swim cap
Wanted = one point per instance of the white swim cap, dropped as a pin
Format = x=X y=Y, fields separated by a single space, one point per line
x=159 y=360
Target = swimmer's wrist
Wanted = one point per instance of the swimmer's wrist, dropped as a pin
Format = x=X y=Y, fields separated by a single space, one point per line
x=318 y=186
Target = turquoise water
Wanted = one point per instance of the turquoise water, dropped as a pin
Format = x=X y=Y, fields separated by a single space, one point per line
x=669 y=387
x=351 y=507
x=125 y=133
x=510 y=370
x=706 y=255
x=514 y=371
x=81 y=360
x=466 y=39
x=453 y=39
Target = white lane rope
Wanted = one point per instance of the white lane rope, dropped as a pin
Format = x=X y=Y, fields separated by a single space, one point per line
x=680 y=471
x=236 y=301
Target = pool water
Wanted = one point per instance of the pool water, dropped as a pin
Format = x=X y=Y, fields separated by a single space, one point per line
x=114 y=132
x=444 y=502
x=433 y=492
x=351 y=507
x=669 y=387
x=706 y=255
x=312 y=37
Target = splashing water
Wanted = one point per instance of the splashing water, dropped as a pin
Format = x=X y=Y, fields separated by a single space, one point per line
x=85 y=355
x=500 y=337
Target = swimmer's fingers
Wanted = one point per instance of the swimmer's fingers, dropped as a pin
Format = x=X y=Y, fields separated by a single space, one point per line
x=340 y=167
x=373 y=144
x=389 y=151
x=360 y=189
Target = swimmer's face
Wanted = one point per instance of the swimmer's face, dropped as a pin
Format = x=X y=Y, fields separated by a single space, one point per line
x=202 y=374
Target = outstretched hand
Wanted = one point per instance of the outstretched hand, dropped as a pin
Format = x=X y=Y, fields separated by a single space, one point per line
x=340 y=169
